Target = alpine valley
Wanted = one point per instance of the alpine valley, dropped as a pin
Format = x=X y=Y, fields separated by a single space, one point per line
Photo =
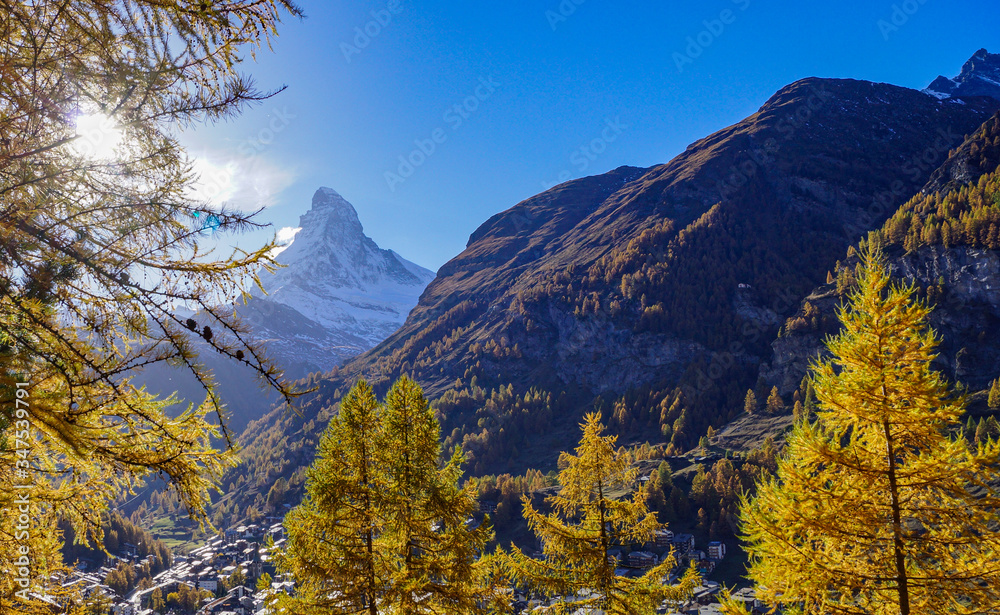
x=658 y=296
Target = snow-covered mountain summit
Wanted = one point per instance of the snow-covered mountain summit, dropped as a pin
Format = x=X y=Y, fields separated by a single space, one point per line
x=980 y=76
x=339 y=279
x=338 y=295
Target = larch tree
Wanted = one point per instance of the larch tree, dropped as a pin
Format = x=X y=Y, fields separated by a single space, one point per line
x=590 y=517
x=384 y=525
x=101 y=237
x=750 y=402
x=993 y=398
x=798 y=411
x=774 y=402
x=336 y=547
x=435 y=548
x=879 y=506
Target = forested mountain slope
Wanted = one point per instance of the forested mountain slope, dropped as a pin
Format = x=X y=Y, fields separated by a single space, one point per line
x=946 y=240
x=651 y=294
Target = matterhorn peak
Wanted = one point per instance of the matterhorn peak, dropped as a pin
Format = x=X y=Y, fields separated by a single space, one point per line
x=980 y=76
x=328 y=197
x=327 y=204
x=338 y=277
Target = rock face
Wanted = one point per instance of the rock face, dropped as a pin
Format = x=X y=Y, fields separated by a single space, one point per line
x=796 y=349
x=967 y=317
x=625 y=358
x=980 y=76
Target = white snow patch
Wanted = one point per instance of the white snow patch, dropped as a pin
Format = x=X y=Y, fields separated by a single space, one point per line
x=287 y=234
x=936 y=94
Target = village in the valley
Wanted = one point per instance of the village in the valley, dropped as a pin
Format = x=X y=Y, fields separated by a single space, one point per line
x=230 y=565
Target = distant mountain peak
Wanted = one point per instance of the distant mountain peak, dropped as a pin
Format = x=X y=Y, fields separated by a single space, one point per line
x=324 y=190
x=980 y=76
x=328 y=205
x=326 y=198
x=338 y=277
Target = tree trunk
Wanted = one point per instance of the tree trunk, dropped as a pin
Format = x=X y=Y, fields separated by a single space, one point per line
x=369 y=538
x=902 y=582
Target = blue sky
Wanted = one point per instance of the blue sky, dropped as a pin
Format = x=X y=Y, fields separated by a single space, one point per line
x=545 y=90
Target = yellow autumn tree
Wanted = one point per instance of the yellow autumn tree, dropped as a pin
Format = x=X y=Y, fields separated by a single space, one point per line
x=385 y=526
x=435 y=549
x=879 y=506
x=993 y=397
x=591 y=515
x=336 y=547
x=101 y=237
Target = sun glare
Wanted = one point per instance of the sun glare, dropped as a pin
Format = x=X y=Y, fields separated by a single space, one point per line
x=98 y=136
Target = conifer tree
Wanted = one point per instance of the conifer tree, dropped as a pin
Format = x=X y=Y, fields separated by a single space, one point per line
x=877 y=507
x=383 y=527
x=157 y=603
x=798 y=411
x=981 y=431
x=588 y=521
x=809 y=405
x=750 y=403
x=335 y=548
x=993 y=400
x=774 y=402
x=434 y=550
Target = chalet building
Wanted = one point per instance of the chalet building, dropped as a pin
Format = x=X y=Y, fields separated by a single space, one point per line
x=682 y=543
x=663 y=538
x=641 y=559
x=717 y=550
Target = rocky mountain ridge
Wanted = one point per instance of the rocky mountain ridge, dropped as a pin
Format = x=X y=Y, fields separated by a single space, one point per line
x=980 y=76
